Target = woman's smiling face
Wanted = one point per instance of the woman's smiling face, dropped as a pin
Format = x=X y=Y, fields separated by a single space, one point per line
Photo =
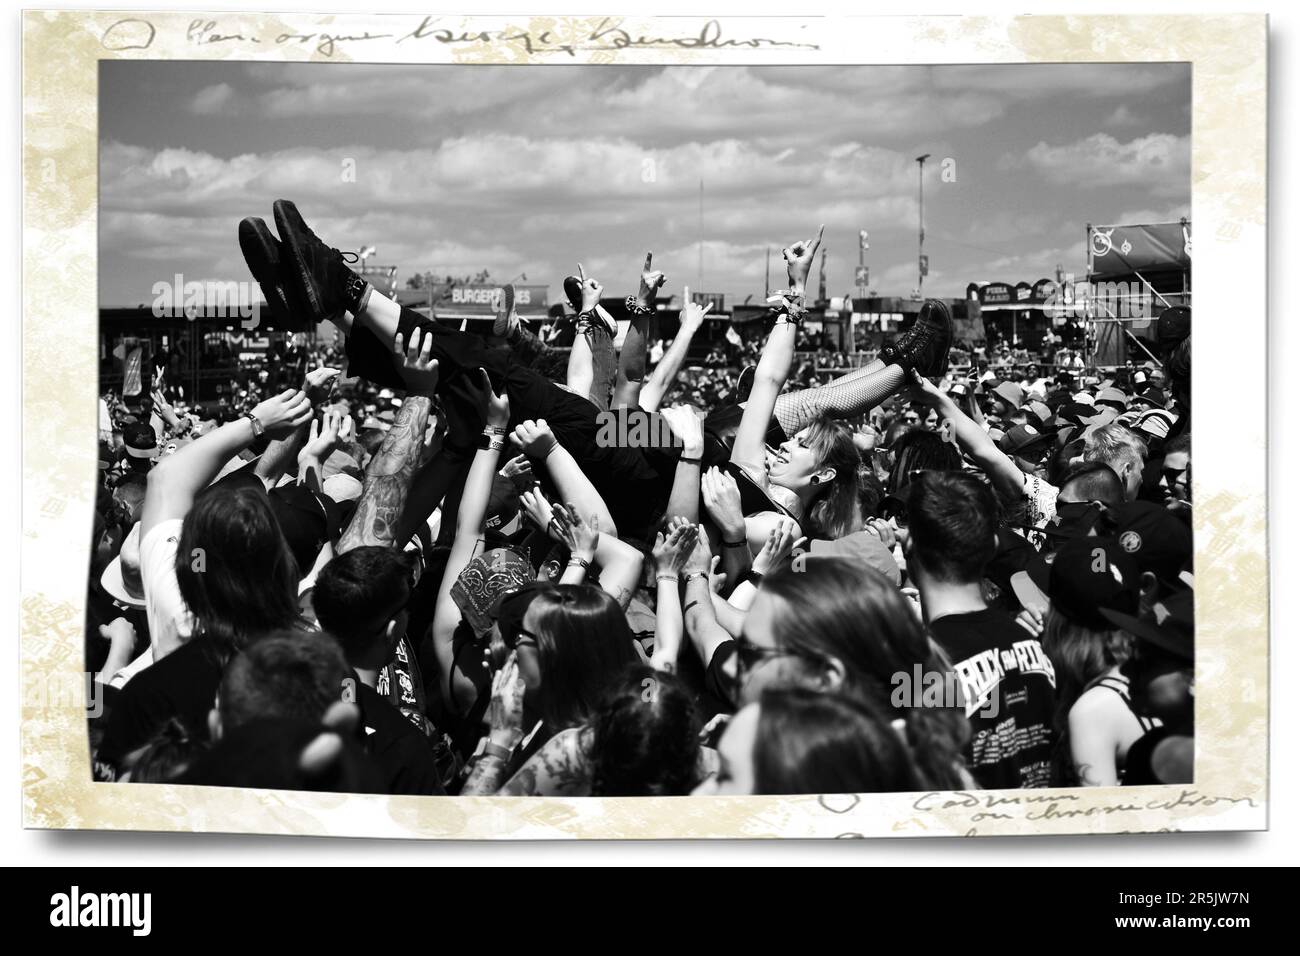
x=793 y=463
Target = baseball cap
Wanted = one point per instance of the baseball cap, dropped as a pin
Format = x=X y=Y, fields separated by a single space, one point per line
x=1157 y=540
x=341 y=463
x=141 y=440
x=1040 y=412
x=864 y=548
x=1155 y=423
x=342 y=487
x=503 y=505
x=1010 y=393
x=1113 y=397
x=1151 y=398
x=1085 y=576
x=1025 y=441
x=121 y=579
x=1171 y=625
x=307 y=520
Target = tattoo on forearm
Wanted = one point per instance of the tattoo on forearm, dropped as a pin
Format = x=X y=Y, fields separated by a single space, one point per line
x=388 y=478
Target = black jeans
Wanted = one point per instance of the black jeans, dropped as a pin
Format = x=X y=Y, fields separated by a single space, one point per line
x=634 y=482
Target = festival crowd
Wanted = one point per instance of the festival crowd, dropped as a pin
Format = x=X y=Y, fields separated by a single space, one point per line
x=433 y=561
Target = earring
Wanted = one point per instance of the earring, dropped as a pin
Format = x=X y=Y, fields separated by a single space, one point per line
x=815 y=480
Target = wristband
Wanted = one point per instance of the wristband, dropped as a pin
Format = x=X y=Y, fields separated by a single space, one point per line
x=742 y=543
x=634 y=307
x=692 y=575
x=685 y=460
x=486 y=748
x=753 y=577
x=258 y=428
x=577 y=562
x=666 y=578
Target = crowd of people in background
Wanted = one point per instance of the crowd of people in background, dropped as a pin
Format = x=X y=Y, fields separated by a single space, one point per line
x=424 y=560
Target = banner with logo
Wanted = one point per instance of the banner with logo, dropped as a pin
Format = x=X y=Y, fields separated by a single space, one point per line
x=1123 y=250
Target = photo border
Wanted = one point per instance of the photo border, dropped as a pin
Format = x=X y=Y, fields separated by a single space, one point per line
x=60 y=161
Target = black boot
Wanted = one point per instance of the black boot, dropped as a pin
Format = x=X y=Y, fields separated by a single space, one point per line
x=314 y=272
x=924 y=346
x=263 y=253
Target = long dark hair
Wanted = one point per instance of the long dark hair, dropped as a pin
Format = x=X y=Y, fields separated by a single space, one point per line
x=235 y=571
x=583 y=644
x=1079 y=655
x=836 y=511
x=645 y=737
x=920 y=450
x=811 y=742
x=833 y=608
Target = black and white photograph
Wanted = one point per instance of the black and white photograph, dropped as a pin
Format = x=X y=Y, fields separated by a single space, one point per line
x=643 y=430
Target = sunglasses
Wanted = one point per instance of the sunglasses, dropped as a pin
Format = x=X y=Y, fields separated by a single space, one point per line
x=749 y=655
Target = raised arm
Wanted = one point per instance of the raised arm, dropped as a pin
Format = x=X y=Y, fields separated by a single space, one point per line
x=284 y=452
x=665 y=373
x=327 y=433
x=581 y=372
x=536 y=440
x=702 y=626
x=670 y=553
x=1007 y=479
x=750 y=447
x=469 y=530
x=631 y=358
x=684 y=499
x=176 y=479
x=390 y=472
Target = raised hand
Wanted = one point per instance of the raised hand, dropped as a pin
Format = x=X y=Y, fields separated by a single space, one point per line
x=693 y=313
x=505 y=716
x=282 y=414
x=581 y=535
x=534 y=438
x=419 y=372
x=496 y=407
x=539 y=512
x=325 y=436
x=700 y=558
x=317 y=384
x=780 y=542
x=799 y=259
x=520 y=472
x=591 y=290
x=685 y=424
x=671 y=550
x=722 y=501
x=651 y=280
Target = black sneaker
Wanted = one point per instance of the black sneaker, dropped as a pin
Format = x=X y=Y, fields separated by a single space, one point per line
x=263 y=252
x=924 y=346
x=506 y=323
x=315 y=273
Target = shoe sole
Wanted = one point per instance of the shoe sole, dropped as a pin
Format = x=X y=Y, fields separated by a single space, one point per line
x=290 y=225
x=262 y=255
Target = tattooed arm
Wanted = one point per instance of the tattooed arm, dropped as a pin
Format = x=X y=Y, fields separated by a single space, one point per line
x=390 y=472
x=620 y=568
x=388 y=479
x=562 y=768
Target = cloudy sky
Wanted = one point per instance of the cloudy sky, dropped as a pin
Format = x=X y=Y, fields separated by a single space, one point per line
x=522 y=169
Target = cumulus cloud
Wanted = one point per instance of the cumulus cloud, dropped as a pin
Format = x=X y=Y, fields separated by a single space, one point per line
x=1160 y=162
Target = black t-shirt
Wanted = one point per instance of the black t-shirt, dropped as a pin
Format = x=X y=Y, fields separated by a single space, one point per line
x=183 y=684
x=402 y=754
x=1010 y=690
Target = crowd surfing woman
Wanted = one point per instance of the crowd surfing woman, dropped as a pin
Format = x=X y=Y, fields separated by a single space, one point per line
x=722 y=613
